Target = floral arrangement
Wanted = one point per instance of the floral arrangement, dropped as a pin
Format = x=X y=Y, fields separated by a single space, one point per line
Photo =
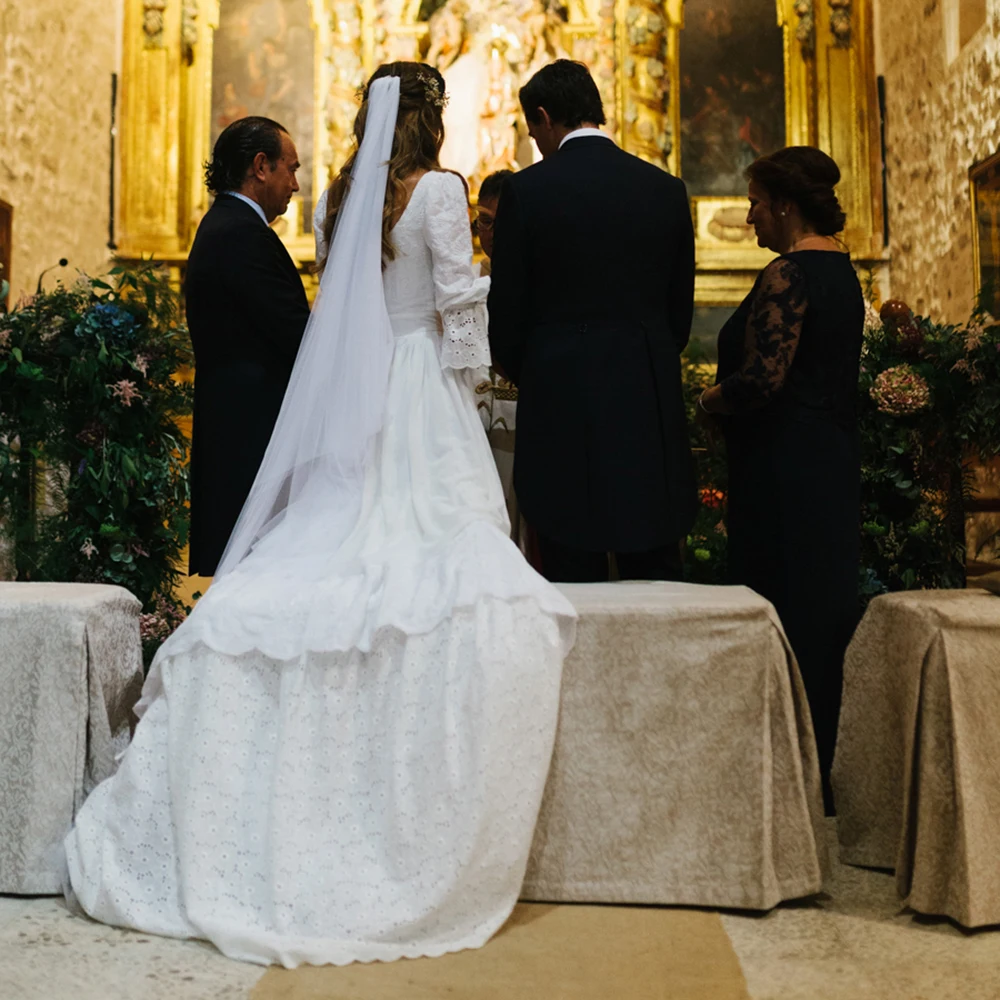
x=158 y=622
x=929 y=405
x=93 y=466
x=900 y=391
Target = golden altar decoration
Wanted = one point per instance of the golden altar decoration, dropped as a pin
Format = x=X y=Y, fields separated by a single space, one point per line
x=824 y=75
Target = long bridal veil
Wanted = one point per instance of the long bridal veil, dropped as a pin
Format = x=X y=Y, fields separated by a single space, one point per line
x=334 y=405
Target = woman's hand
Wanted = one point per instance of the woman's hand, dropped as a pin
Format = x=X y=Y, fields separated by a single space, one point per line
x=707 y=414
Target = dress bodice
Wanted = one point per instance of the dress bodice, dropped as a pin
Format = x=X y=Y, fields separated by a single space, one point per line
x=432 y=285
x=409 y=279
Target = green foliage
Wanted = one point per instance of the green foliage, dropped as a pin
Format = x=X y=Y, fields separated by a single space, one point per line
x=937 y=409
x=705 y=549
x=93 y=466
x=914 y=482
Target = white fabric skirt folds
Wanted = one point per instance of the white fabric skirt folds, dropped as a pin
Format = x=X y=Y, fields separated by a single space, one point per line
x=342 y=752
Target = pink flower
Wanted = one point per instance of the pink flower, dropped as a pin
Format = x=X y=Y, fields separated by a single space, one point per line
x=4 y=339
x=150 y=627
x=88 y=548
x=125 y=391
x=141 y=363
x=900 y=391
x=138 y=550
x=161 y=622
x=974 y=336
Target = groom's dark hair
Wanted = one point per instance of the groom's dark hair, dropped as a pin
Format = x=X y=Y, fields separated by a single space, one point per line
x=236 y=149
x=567 y=92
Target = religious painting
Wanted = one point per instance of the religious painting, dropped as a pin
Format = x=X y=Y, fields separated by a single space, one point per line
x=6 y=227
x=985 y=182
x=264 y=65
x=732 y=92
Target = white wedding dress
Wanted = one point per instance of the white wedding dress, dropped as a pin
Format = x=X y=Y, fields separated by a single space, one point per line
x=342 y=752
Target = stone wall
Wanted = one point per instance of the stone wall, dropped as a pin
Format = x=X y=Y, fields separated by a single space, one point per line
x=56 y=61
x=940 y=119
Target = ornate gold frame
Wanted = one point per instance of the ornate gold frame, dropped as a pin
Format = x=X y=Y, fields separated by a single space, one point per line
x=830 y=86
x=988 y=169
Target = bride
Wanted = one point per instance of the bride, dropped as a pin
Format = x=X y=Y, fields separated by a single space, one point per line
x=341 y=754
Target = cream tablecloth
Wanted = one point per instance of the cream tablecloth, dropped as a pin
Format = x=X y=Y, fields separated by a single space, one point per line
x=685 y=768
x=917 y=770
x=70 y=672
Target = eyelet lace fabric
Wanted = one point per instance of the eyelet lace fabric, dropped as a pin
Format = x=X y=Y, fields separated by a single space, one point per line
x=342 y=751
x=466 y=343
x=344 y=807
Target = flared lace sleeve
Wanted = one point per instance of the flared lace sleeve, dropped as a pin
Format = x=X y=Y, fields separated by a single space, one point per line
x=772 y=337
x=459 y=293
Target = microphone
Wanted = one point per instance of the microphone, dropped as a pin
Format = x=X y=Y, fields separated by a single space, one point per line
x=62 y=263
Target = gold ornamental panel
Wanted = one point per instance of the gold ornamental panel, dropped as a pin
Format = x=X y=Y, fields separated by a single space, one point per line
x=698 y=87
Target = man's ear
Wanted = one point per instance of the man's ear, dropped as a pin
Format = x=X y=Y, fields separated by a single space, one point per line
x=259 y=162
x=546 y=118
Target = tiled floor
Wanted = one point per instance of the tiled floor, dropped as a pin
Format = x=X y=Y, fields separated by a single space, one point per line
x=851 y=944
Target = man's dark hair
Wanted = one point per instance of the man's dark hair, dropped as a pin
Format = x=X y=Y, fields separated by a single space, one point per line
x=236 y=149
x=492 y=186
x=567 y=92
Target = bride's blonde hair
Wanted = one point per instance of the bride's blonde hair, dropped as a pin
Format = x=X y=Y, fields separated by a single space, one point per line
x=415 y=146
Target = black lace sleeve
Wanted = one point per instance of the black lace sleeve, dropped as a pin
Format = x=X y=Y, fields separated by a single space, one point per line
x=772 y=337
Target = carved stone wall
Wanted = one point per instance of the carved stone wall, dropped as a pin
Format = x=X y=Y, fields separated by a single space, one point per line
x=940 y=119
x=56 y=61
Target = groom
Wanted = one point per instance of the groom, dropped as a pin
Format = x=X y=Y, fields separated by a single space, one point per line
x=247 y=311
x=590 y=307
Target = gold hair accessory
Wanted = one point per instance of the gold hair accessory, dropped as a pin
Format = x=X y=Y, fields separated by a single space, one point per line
x=432 y=89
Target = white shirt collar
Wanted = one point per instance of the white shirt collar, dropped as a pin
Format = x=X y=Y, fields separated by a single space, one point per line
x=581 y=132
x=251 y=203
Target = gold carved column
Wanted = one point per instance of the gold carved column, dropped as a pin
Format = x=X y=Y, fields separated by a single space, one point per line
x=847 y=125
x=647 y=59
x=166 y=103
x=151 y=113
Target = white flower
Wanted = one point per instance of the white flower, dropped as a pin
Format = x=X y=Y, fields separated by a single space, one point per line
x=873 y=322
x=88 y=548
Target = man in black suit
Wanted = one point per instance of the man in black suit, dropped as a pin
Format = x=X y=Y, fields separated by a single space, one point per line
x=590 y=307
x=247 y=311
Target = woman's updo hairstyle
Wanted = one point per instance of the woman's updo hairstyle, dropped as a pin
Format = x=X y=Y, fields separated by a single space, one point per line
x=807 y=177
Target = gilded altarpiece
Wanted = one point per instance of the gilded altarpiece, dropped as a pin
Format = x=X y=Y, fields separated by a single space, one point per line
x=688 y=86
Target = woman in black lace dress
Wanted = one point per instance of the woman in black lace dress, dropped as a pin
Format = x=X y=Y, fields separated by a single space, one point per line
x=785 y=397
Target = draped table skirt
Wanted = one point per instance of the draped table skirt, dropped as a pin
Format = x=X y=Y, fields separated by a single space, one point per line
x=70 y=672
x=917 y=771
x=685 y=768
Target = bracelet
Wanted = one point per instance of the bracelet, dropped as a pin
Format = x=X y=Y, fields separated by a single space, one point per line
x=704 y=409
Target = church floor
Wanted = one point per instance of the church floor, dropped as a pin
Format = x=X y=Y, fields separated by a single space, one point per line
x=853 y=944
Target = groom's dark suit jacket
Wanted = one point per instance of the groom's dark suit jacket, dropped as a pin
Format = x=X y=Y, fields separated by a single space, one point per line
x=590 y=306
x=247 y=311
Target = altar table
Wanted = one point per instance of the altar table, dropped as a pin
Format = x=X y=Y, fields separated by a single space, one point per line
x=70 y=672
x=917 y=771
x=685 y=768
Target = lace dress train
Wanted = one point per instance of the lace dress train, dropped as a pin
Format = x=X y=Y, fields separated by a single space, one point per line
x=342 y=752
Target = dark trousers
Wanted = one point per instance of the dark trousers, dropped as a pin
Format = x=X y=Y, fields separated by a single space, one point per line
x=566 y=564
